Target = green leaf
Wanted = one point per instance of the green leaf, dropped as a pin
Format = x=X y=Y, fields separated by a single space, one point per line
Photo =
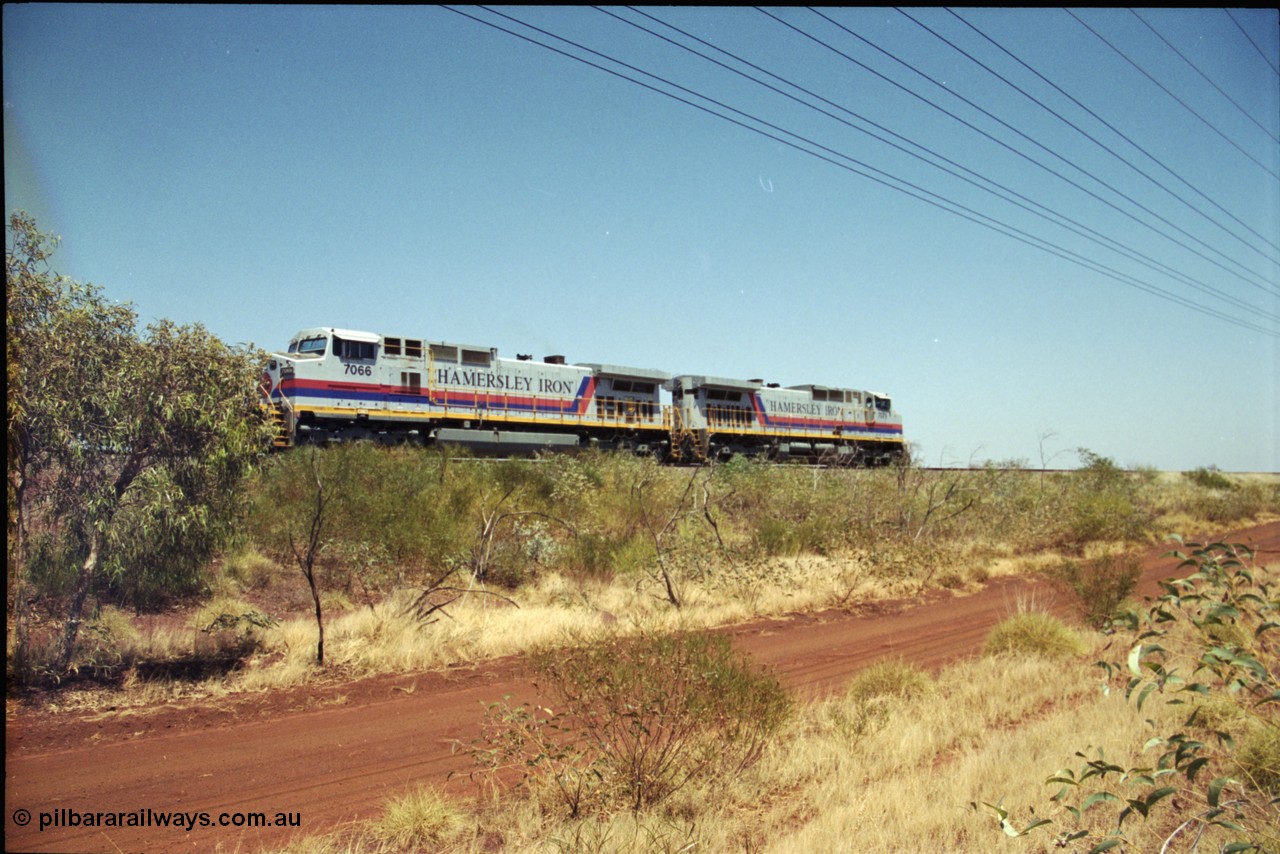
x=1097 y=798
x=1215 y=790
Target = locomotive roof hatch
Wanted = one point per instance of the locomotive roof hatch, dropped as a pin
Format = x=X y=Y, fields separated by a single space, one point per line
x=624 y=372
x=492 y=351
x=810 y=387
x=692 y=382
x=354 y=335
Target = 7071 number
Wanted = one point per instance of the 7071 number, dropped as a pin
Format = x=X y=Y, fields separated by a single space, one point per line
x=359 y=370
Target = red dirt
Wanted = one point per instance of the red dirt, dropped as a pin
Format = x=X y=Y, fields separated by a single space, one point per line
x=334 y=754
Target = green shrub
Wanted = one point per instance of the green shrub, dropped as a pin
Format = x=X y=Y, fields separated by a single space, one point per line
x=1033 y=634
x=1240 y=503
x=591 y=555
x=1106 y=503
x=52 y=562
x=228 y=628
x=1110 y=516
x=1206 y=644
x=575 y=480
x=1101 y=585
x=889 y=678
x=1209 y=478
x=873 y=694
x=777 y=537
x=109 y=643
x=250 y=569
x=662 y=710
x=638 y=719
x=421 y=820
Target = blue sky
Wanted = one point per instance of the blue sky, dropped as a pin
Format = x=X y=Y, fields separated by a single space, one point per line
x=411 y=170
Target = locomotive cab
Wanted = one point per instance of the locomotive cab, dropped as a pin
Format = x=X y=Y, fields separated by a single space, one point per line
x=713 y=416
x=314 y=359
x=345 y=344
x=627 y=396
x=309 y=346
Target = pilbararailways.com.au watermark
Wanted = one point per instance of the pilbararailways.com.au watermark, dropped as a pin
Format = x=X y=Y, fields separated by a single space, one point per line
x=147 y=817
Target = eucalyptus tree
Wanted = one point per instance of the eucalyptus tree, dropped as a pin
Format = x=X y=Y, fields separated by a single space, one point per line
x=126 y=449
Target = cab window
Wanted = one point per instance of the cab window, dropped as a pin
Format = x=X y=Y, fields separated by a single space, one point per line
x=309 y=346
x=353 y=349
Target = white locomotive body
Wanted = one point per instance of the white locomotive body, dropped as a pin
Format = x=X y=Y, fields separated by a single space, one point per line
x=834 y=425
x=336 y=384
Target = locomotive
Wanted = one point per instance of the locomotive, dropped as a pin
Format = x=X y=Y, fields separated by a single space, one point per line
x=337 y=384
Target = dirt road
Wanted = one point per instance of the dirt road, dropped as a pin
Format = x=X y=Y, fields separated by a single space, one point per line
x=334 y=754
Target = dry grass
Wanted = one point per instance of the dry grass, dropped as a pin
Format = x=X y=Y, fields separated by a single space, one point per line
x=382 y=638
x=989 y=730
x=1035 y=635
x=421 y=819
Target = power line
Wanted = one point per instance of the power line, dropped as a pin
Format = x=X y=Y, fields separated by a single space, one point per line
x=1021 y=154
x=1031 y=206
x=1117 y=132
x=887 y=180
x=1081 y=131
x=1245 y=33
x=1204 y=76
x=1184 y=104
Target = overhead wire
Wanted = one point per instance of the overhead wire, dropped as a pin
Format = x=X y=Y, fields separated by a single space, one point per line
x=971 y=177
x=1205 y=77
x=1021 y=154
x=860 y=168
x=1248 y=37
x=1117 y=131
x=1184 y=104
x=967 y=55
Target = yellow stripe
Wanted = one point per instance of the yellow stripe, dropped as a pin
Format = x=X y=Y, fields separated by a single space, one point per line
x=490 y=416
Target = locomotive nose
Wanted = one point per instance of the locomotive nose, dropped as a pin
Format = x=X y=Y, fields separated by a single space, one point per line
x=274 y=372
x=269 y=380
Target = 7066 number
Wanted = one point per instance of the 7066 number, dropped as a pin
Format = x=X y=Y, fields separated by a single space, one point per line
x=358 y=370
